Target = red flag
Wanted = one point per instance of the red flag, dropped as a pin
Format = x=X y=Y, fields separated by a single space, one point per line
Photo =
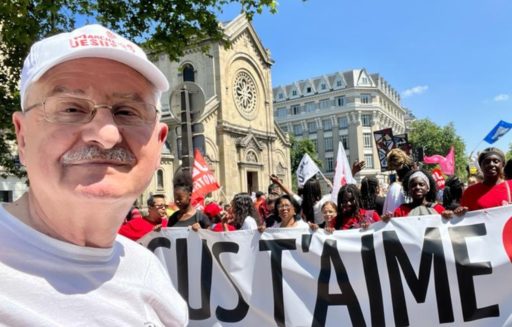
x=439 y=178
x=204 y=181
x=447 y=163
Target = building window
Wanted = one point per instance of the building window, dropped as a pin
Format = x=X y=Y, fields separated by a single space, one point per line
x=295 y=109
x=365 y=80
x=328 y=144
x=315 y=144
x=310 y=106
x=297 y=129
x=160 y=179
x=284 y=128
x=188 y=73
x=324 y=103
x=281 y=112
x=312 y=127
x=344 y=141
x=323 y=86
x=281 y=96
x=294 y=92
x=338 y=83
x=365 y=98
x=308 y=89
x=343 y=122
x=329 y=163
x=340 y=101
x=327 y=123
x=367 y=140
x=369 y=161
x=366 y=120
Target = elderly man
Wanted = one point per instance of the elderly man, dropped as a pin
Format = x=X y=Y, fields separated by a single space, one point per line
x=157 y=218
x=90 y=138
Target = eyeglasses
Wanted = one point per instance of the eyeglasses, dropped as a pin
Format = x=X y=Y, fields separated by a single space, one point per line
x=73 y=110
x=160 y=206
x=284 y=207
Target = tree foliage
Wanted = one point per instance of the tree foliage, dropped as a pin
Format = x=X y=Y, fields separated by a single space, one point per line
x=160 y=26
x=438 y=140
x=508 y=155
x=297 y=151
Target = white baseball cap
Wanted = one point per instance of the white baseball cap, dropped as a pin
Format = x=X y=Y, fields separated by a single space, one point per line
x=84 y=42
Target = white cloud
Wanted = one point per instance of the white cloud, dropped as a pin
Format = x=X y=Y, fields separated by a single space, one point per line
x=501 y=97
x=414 y=90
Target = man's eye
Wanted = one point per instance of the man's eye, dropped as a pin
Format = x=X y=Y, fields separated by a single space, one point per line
x=73 y=109
x=127 y=111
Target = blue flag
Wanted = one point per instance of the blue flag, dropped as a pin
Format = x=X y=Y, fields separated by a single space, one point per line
x=498 y=131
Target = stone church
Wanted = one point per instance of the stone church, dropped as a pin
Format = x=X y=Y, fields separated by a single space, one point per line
x=242 y=145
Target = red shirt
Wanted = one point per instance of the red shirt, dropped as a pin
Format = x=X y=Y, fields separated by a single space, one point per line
x=355 y=222
x=219 y=228
x=137 y=228
x=404 y=209
x=481 y=196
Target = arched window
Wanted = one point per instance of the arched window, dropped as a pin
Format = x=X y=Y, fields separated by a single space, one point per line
x=188 y=73
x=160 y=179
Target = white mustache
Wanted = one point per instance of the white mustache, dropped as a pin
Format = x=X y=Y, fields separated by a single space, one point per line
x=92 y=153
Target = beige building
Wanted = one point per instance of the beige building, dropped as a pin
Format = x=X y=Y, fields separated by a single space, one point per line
x=342 y=107
x=242 y=144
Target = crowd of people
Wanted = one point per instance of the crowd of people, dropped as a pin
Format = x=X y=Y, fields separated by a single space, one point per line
x=414 y=193
x=90 y=137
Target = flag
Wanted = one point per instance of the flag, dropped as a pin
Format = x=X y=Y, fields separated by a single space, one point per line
x=498 y=131
x=385 y=142
x=307 y=169
x=437 y=174
x=342 y=174
x=203 y=180
x=447 y=164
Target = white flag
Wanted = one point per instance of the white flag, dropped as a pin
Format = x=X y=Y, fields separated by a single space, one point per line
x=307 y=169
x=342 y=174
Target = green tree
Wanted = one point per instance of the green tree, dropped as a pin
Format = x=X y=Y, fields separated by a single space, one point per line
x=508 y=155
x=438 y=140
x=297 y=151
x=160 y=26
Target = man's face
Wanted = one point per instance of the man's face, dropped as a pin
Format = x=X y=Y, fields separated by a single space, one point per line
x=53 y=153
x=158 y=211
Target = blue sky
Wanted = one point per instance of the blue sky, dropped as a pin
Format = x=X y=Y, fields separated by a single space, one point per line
x=450 y=60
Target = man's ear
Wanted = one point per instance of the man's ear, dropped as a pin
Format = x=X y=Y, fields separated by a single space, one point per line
x=162 y=137
x=18 y=120
x=162 y=134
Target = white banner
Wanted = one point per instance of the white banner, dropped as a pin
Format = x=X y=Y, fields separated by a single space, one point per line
x=409 y=272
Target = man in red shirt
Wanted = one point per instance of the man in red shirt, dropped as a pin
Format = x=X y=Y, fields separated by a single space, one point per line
x=157 y=218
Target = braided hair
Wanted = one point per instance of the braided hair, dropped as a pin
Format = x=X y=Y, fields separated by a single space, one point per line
x=342 y=217
x=452 y=193
x=369 y=190
x=311 y=193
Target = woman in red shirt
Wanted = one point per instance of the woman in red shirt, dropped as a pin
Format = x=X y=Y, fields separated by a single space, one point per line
x=421 y=188
x=350 y=211
x=494 y=191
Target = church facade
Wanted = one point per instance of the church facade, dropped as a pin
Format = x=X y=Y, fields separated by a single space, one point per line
x=239 y=139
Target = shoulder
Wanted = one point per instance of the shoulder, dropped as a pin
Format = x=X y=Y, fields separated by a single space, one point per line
x=402 y=210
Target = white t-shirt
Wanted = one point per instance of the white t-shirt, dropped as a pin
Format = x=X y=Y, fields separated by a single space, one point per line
x=47 y=282
x=298 y=224
x=317 y=209
x=249 y=223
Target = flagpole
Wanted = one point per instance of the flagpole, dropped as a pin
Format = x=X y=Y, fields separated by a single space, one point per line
x=326 y=179
x=476 y=147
